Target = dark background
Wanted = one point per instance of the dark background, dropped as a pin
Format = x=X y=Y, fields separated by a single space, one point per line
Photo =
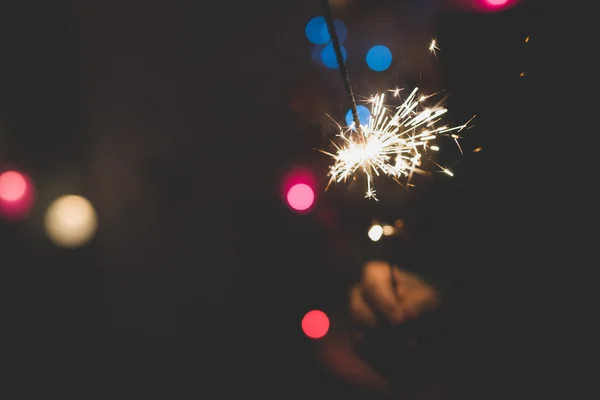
x=179 y=120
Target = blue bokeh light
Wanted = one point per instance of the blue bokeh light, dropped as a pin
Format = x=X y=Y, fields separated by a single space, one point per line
x=315 y=55
x=363 y=116
x=379 y=58
x=329 y=58
x=340 y=29
x=316 y=30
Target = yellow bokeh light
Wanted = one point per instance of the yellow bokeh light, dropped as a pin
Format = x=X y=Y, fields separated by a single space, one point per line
x=70 y=221
x=388 y=230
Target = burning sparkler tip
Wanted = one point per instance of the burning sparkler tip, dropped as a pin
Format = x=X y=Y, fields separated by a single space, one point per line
x=394 y=142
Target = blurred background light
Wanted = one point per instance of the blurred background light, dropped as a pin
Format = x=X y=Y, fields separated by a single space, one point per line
x=315 y=324
x=70 y=221
x=379 y=58
x=329 y=58
x=388 y=230
x=496 y=3
x=375 y=232
x=12 y=186
x=363 y=116
x=299 y=189
x=315 y=55
x=300 y=197
x=340 y=28
x=484 y=6
x=317 y=32
x=16 y=194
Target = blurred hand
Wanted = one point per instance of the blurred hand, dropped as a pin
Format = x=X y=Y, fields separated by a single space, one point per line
x=375 y=301
x=375 y=305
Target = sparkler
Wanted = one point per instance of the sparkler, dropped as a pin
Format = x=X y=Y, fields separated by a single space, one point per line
x=391 y=143
x=394 y=142
x=433 y=47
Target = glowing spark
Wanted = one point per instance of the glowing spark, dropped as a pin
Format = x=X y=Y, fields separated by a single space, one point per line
x=527 y=39
x=396 y=91
x=394 y=141
x=433 y=47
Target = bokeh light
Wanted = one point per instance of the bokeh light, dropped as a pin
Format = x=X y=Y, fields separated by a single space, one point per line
x=298 y=189
x=300 y=197
x=315 y=55
x=388 y=230
x=329 y=58
x=315 y=324
x=12 y=186
x=340 y=29
x=485 y=6
x=317 y=32
x=70 y=221
x=379 y=58
x=363 y=115
x=16 y=194
x=375 y=232
x=496 y=3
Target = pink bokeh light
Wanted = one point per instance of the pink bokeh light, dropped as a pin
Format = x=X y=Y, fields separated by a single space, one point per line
x=485 y=6
x=298 y=190
x=300 y=197
x=16 y=195
x=496 y=2
x=495 y=5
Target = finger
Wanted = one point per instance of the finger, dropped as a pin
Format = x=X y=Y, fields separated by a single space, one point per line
x=406 y=281
x=411 y=308
x=425 y=299
x=378 y=290
x=416 y=295
x=360 y=310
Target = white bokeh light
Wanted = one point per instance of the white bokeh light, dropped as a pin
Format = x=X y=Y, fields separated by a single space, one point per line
x=70 y=221
x=375 y=232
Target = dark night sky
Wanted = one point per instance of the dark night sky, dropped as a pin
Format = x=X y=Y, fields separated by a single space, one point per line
x=174 y=118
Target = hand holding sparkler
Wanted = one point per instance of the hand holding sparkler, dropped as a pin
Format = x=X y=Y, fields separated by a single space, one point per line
x=375 y=300
x=383 y=347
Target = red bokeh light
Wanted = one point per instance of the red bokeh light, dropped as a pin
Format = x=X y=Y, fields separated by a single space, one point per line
x=300 y=197
x=16 y=194
x=315 y=324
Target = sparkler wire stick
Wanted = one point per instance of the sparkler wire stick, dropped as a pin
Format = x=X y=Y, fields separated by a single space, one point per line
x=344 y=72
x=341 y=64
